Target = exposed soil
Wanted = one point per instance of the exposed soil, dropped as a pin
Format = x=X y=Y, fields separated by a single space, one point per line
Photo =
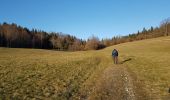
x=116 y=83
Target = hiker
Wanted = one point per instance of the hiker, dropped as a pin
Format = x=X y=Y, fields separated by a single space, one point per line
x=115 y=56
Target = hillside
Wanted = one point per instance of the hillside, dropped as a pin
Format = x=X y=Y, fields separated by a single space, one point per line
x=16 y=36
x=48 y=74
x=148 y=61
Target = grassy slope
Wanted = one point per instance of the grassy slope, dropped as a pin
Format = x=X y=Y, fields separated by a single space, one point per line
x=150 y=64
x=30 y=73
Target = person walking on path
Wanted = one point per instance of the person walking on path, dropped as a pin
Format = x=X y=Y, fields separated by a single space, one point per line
x=115 y=56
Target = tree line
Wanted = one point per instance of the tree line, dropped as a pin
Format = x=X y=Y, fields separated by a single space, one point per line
x=15 y=36
x=162 y=30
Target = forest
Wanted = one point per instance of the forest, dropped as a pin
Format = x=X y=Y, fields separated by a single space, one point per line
x=15 y=36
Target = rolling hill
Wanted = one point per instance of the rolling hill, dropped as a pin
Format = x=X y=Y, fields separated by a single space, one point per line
x=143 y=69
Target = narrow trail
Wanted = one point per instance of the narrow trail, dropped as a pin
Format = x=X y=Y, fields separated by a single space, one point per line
x=128 y=86
x=115 y=84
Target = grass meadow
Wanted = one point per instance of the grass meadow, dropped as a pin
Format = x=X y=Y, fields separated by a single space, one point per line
x=49 y=74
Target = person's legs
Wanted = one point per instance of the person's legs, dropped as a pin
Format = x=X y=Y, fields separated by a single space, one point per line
x=116 y=59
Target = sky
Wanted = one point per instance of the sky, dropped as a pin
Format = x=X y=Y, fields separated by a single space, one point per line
x=84 y=18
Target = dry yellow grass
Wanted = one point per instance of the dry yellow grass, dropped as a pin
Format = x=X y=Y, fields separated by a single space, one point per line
x=42 y=74
x=150 y=64
x=34 y=73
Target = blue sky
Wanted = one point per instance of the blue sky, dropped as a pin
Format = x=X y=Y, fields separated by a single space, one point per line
x=84 y=18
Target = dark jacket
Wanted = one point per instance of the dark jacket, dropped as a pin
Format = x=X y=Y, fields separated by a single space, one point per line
x=115 y=53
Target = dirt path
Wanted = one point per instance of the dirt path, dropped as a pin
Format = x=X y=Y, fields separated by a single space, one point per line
x=115 y=84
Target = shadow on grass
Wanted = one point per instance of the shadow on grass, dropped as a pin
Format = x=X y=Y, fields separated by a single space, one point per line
x=126 y=60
